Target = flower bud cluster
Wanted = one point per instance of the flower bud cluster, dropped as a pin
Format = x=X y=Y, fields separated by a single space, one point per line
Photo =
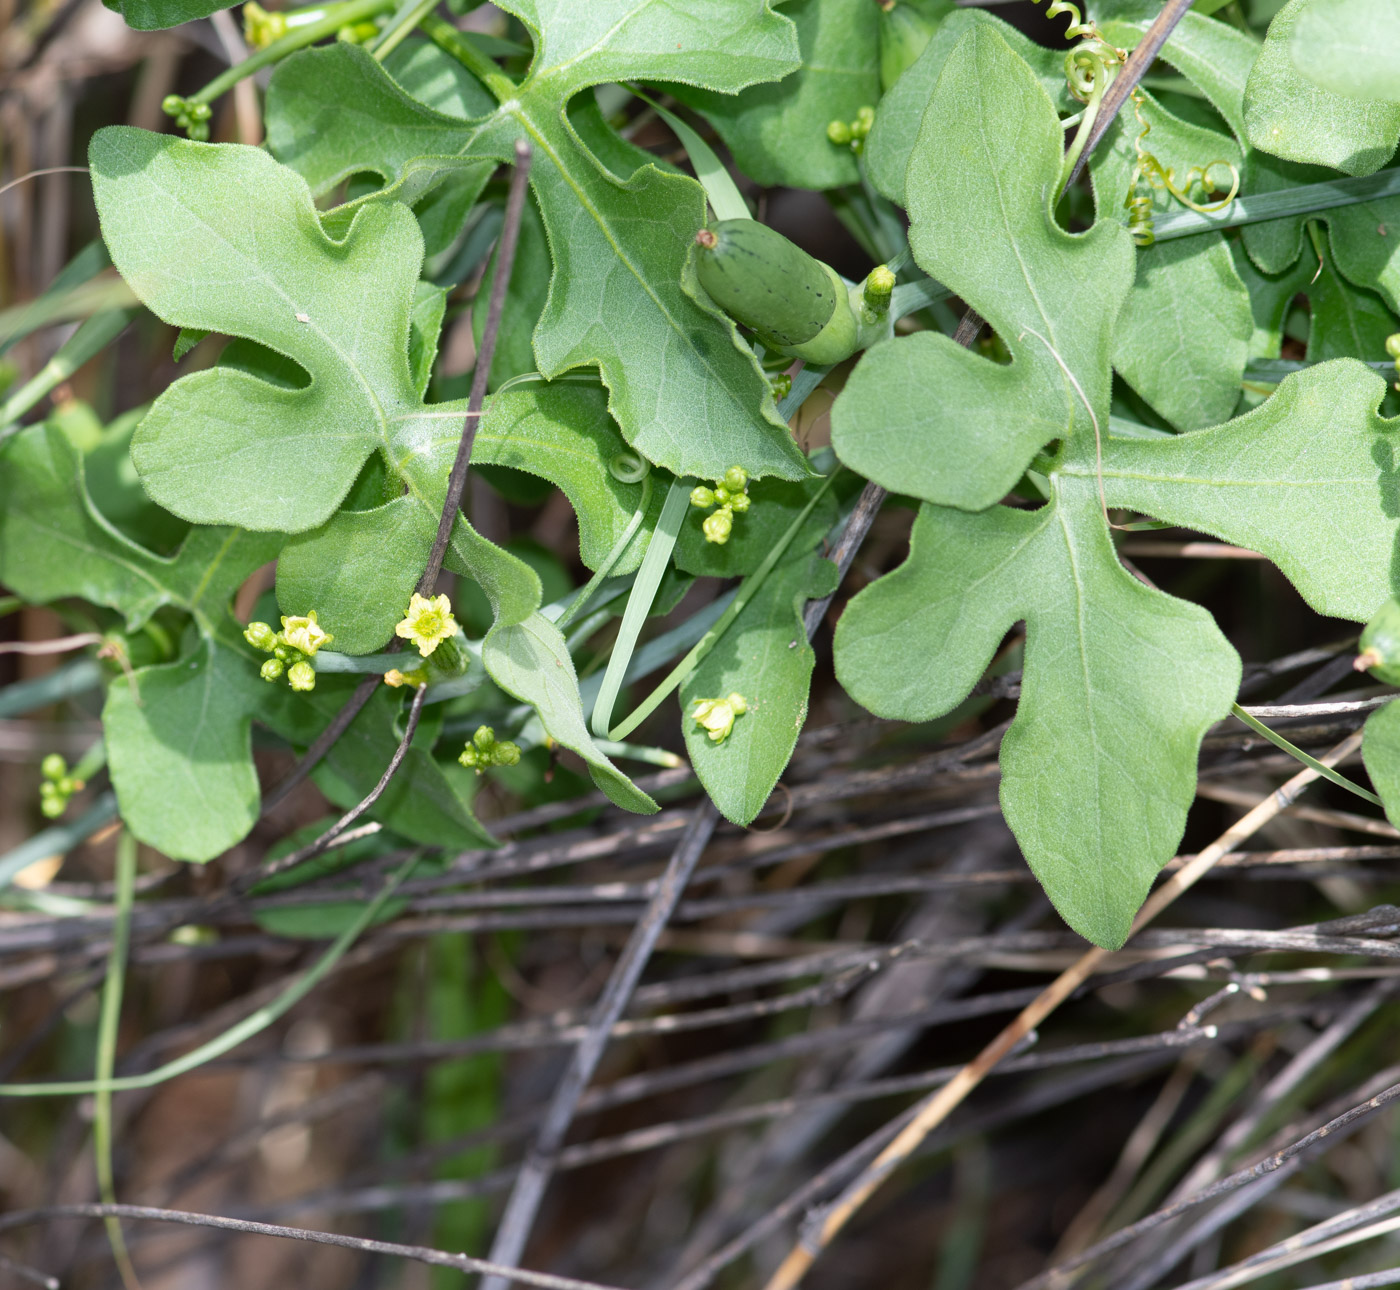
x=192 y=117
x=1392 y=347
x=57 y=787
x=716 y=716
x=292 y=649
x=261 y=28
x=730 y=495
x=486 y=750
x=852 y=133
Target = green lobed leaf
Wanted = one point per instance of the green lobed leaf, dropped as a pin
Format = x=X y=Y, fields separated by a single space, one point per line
x=901 y=111
x=1310 y=479
x=765 y=657
x=1121 y=682
x=980 y=223
x=1291 y=117
x=777 y=132
x=1350 y=47
x=222 y=237
x=1380 y=750
x=692 y=398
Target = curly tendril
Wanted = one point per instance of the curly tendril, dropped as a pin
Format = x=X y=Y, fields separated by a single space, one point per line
x=629 y=468
x=1077 y=27
x=1150 y=171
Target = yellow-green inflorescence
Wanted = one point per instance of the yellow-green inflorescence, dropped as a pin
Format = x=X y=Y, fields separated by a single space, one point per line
x=261 y=28
x=852 y=133
x=730 y=495
x=292 y=649
x=716 y=716
x=191 y=116
x=57 y=787
x=486 y=750
x=1392 y=347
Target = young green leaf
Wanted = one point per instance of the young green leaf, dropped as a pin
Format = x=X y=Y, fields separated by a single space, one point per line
x=979 y=198
x=765 y=657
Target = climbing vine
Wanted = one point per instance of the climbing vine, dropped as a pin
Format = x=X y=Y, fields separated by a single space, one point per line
x=1070 y=326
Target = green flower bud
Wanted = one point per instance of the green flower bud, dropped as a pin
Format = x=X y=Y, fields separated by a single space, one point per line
x=739 y=503
x=301 y=676
x=506 y=754
x=260 y=636
x=718 y=526
x=1392 y=345
x=272 y=669
x=51 y=807
x=736 y=479
x=782 y=385
x=484 y=738
x=53 y=767
x=702 y=497
x=722 y=495
x=172 y=105
x=864 y=122
x=470 y=759
x=838 y=132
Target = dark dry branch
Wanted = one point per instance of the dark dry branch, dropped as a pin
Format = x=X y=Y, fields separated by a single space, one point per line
x=418 y=1253
x=1055 y=1277
x=525 y=1198
x=505 y=262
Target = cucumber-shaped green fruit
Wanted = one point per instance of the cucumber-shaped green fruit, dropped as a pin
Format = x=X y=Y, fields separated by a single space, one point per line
x=792 y=300
x=1380 y=645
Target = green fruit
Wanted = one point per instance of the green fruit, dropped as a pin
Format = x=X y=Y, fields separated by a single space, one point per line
x=1380 y=644
x=767 y=283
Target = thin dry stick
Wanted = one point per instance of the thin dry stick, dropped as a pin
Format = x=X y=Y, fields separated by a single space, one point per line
x=456 y=481
x=419 y=1253
x=59 y=645
x=940 y=1105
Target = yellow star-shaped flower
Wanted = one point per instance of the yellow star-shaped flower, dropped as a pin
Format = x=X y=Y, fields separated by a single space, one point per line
x=428 y=623
x=303 y=634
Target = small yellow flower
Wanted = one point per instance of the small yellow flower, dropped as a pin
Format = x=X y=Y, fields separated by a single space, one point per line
x=303 y=634
x=428 y=623
x=717 y=715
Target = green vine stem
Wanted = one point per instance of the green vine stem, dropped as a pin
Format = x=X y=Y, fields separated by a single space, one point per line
x=405 y=19
x=337 y=16
x=747 y=591
x=108 y=1023
x=1294 y=751
x=251 y=1025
